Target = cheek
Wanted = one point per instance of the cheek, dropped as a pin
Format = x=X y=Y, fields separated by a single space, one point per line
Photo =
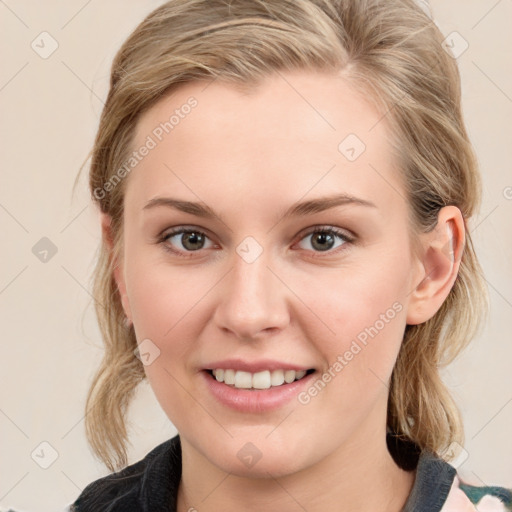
x=162 y=307
x=351 y=301
x=359 y=322
x=167 y=311
x=359 y=358
x=162 y=295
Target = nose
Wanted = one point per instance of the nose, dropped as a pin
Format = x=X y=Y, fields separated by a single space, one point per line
x=253 y=301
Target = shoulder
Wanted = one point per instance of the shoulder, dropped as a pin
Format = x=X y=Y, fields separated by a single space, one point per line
x=129 y=488
x=438 y=487
x=472 y=498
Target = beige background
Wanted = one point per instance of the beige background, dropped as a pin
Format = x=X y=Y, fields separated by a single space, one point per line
x=51 y=344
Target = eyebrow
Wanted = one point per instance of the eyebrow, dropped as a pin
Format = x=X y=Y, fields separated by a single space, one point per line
x=295 y=210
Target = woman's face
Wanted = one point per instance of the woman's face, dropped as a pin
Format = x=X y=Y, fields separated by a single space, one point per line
x=298 y=257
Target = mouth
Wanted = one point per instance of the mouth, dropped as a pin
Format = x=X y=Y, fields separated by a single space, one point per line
x=267 y=388
x=265 y=379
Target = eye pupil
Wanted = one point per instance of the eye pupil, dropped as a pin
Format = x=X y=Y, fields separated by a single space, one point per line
x=324 y=239
x=192 y=238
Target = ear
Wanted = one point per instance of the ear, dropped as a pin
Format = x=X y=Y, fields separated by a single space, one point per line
x=439 y=261
x=118 y=266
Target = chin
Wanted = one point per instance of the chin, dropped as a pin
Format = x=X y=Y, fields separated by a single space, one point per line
x=276 y=465
x=251 y=457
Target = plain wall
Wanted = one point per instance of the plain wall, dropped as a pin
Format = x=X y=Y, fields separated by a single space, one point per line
x=51 y=345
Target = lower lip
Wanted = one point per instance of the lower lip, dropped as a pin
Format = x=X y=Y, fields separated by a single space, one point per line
x=255 y=401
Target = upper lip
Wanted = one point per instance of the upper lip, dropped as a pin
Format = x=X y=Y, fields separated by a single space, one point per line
x=254 y=366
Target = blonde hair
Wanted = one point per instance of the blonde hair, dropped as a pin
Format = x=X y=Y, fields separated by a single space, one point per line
x=388 y=48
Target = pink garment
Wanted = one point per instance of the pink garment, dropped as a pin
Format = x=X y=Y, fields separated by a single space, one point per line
x=457 y=501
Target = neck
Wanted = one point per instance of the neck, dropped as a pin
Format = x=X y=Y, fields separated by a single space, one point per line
x=357 y=476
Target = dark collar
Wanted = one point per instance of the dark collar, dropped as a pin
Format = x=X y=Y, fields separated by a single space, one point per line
x=149 y=485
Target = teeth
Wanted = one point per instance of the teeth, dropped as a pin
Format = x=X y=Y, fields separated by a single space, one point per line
x=259 y=380
x=289 y=376
x=277 y=378
x=229 y=377
x=243 y=380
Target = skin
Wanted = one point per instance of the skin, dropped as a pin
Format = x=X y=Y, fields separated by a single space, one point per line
x=249 y=157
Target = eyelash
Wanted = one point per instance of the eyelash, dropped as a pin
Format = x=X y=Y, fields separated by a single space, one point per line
x=330 y=230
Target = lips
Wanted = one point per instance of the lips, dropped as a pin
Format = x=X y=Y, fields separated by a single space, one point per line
x=253 y=400
x=255 y=386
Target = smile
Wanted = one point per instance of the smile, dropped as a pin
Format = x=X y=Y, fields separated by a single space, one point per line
x=260 y=380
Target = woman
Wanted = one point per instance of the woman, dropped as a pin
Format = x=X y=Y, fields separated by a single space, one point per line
x=285 y=189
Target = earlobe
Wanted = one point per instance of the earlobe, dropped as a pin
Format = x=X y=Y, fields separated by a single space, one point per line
x=108 y=239
x=440 y=261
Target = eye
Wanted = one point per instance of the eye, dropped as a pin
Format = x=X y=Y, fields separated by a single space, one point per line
x=323 y=239
x=185 y=240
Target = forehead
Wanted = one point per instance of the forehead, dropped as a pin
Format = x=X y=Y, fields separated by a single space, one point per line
x=297 y=128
